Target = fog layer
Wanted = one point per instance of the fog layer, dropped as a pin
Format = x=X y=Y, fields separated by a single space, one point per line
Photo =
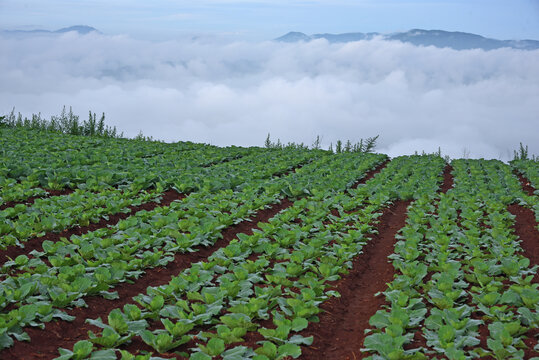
x=474 y=102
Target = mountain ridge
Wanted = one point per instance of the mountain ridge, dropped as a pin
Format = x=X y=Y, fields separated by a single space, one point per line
x=81 y=29
x=439 y=38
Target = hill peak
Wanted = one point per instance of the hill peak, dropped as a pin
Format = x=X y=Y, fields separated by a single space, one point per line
x=81 y=29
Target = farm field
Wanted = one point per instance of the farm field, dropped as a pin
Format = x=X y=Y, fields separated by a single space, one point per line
x=124 y=249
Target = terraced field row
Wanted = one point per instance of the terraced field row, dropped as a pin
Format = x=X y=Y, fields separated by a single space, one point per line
x=197 y=252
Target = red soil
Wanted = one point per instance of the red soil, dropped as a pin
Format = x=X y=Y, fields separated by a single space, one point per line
x=371 y=174
x=526 y=185
x=251 y=338
x=31 y=200
x=35 y=243
x=339 y=334
x=448 y=179
x=526 y=229
x=526 y=226
x=530 y=342
x=290 y=171
x=44 y=343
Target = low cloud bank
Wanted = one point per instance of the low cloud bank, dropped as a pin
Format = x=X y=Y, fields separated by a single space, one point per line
x=476 y=103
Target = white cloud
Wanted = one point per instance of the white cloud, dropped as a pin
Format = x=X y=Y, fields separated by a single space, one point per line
x=210 y=90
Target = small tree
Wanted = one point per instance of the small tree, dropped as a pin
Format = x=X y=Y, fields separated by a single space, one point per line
x=11 y=118
x=317 y=143
x=370 y=144
x=19 y=122
x=90 y=125
x=338 y=147
x=522 y=153
x=348 y=146
x=267 y=143
x=101 y=125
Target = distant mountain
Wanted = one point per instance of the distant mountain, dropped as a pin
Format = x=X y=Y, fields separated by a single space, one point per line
x=294 y=36
x=81 y=29
x=419 y=37
x=347 y=37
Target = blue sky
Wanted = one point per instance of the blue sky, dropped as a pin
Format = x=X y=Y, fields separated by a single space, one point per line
x=261 y=19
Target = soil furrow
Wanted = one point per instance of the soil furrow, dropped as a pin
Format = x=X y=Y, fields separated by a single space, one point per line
x=222 y=161
x=526 y=229
x=526 y=185
x=371 y=174
x=251 y=338
x=30 y=200
x=448 y=179
x=45 y=343
x=35 y=243
x=340 y=332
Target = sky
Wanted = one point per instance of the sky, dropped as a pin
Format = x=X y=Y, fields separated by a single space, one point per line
x=268 y=19
x=209 y=72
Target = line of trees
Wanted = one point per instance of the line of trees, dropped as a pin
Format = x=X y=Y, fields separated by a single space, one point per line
x=363 y=146
x=522 y=154
x=67 y=123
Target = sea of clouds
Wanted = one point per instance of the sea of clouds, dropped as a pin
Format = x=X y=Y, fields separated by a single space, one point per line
x=469 y=103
